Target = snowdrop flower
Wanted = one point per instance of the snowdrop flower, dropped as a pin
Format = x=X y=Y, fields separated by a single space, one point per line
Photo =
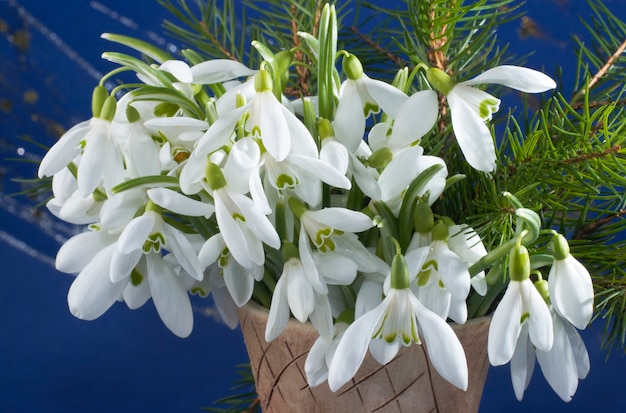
x=403 y=169
x=466 y=243
x=470 y=108
x=332 y=230
x=398 y=320
x=68 y=204
x=302 y=289
x=77 y=252
x=414 y=119
x=571 y=289
x=567 y=361
x=443 y=281
x=321 y=355
x=521 y=305
x=101 y=158
x=269 y=120
x=147 y=234
x=242 y=225
x=359 y=96
x=563 y=365
x=142 y=152
x=238 y=280
x=226 y=307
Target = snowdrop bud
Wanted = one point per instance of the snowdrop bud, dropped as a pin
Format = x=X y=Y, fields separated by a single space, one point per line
x=542 y=287
x=381 y=158
x=214 y=176
x=519 y=263
x=289 y=251
x=263 y=81
x=440 y=232
x=561 y=247
x=423 y=218
x=440 y=80
x=132 y=114
x=352 y=67
x=98 y=97
x=325 y=129
x=399 y=272
x=284 y=59
x=297 y=207
x=108 y=109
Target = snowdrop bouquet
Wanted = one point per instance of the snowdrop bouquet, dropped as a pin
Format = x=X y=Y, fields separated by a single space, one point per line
x=211 y=177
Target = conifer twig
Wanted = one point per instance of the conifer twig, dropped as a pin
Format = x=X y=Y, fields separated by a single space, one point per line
x=602 y=70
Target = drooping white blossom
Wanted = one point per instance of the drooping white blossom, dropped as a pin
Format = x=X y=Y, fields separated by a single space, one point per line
x=470 y=107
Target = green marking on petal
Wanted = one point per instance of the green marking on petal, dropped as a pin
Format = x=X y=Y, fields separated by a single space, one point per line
x=422 y=277
x=135 y=277
x=284 y=181
x=238 y=217
x=524 y=317
x=370 y=107
x=256 y=131
x=487 y=107
x=431 y=263
x=154 y=243
x=390 y=338
x=223 y=259
x=199 y=291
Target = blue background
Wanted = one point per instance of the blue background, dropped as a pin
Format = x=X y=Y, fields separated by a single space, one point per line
x=127 y=361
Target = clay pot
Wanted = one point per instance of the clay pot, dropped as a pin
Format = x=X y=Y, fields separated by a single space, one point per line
x=408 y=384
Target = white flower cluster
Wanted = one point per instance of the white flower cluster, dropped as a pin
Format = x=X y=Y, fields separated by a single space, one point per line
x=205 y=180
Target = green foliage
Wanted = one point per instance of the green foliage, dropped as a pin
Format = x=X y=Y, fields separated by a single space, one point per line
x=565 y=161
x=244 y=399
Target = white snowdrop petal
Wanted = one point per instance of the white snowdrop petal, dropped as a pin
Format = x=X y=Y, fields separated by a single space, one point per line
x=211 y=250
x=92 y=293
x=180 y=204
x=444 y=348
x=64 y=150
x=558 y=365
x=349 y=122
x=352 y=348
x=299 y=291
x=540 y=326
x=79 y=250
x=91 y=168
x=384 y=352
x=521 y=364
x=454 y=273
x=279 y=311
x=342 y=219
x=219 y=70
x=571 y=291
x=415 y=118
x=179 y=245
x=473 y=136
x=520 y=78
x=388 y=97
x=170 y=297
x=505 y=326
x=239 y=283
x=179 y=69
x=136 y=233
